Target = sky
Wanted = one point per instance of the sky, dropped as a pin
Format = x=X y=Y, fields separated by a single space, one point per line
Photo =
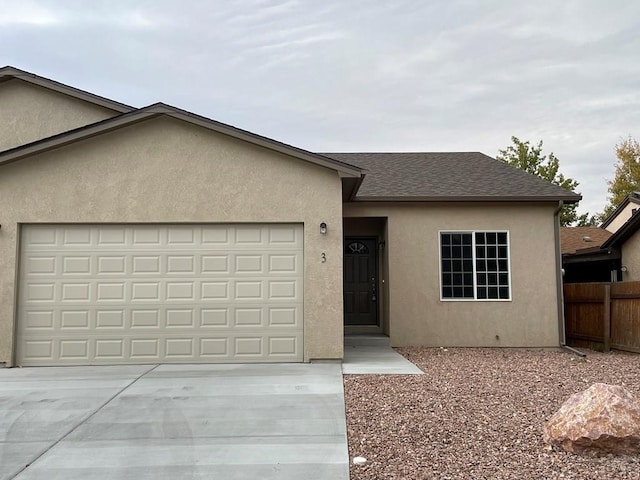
x=360 y=76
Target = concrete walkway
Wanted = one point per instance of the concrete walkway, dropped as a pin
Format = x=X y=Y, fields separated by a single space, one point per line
x=173 y=422
x=371 y=354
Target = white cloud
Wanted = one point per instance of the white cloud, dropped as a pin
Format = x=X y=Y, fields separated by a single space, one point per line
x=26 y=13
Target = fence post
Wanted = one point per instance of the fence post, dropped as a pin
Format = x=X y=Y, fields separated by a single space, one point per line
x=607 y=318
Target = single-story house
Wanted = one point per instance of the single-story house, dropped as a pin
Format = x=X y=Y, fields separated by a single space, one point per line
x=583 y=259
x=622 y=213
x=609 y=253
x=154 y=235
x=626 y=237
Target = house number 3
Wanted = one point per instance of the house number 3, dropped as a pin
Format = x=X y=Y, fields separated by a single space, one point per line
x=323 y=257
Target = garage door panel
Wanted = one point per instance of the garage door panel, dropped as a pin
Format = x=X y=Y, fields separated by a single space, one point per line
x=110 y=319
x=35 y=320
x=112 y=237
x=40 y=266
x=285 y=316
x=149 y=294
x=145 y=264
x=215 y=235
x=145 y=349
x=41 y=236
x=75 y=320
x=38 y=292
x=226 y=347
x=214 y=317
x=110 y=349
x=185 y=318
x=144 y=319
x=76 y=265
x=111 y=265
x=214 y=264
x=38 y=351
x=215 y=347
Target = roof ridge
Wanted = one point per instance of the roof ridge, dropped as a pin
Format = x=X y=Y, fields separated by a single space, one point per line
x=416 y=152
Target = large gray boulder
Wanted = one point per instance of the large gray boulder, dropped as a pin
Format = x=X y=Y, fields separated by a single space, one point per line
x=602 y=419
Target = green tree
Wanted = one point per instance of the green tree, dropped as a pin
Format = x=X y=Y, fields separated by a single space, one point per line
x=627 y=174
x=530 y=158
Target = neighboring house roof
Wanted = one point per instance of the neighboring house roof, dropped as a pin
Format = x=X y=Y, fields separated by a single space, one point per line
x=461 y=176
x=8 y=73
x=573 y=239
x=621 y=235
x=160 y=109
x=633 y=197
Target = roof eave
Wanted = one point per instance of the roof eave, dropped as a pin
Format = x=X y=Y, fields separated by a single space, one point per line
x=9 y=73
x=344 y=169
x=590 y=255
x=632 y=197
x=156 y=110
x=350 y=187
x=623 y=233
x=66 y=138
x=469 y=198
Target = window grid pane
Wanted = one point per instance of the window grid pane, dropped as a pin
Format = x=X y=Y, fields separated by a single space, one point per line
x=457 y=265
x=475 y=265
x=492 y=263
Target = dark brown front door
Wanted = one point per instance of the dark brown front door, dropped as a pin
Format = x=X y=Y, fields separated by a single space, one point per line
x=360 y=281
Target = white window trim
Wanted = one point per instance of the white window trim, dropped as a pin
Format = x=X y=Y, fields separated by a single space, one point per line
x=473 y=252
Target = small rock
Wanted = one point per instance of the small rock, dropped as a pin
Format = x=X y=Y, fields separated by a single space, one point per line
x=359 y=461
x=602 y=419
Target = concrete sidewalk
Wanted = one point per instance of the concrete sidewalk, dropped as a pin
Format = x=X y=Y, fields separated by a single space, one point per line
x=371 y=355
x=173 y=421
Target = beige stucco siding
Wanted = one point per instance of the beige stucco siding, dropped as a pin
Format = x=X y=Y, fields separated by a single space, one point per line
x=30 y=113
x=631 y=258
x=165 y=170
x=621 y=218
x=416 y=314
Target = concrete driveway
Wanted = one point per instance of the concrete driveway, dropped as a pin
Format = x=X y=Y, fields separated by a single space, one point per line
x=173 y=422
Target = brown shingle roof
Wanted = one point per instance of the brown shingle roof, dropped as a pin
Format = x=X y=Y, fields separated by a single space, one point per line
x=447 y=177
x=573 y=238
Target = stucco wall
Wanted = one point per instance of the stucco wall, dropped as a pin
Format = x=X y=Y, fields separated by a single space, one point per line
x=30 y=112
x=417 y=316
x=622 y=217
x=631 y=258
x=164 y=170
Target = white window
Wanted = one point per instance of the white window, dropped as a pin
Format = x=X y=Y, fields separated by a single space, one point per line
x=475 y=266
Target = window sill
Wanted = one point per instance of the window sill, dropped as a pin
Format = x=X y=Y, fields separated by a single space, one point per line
x=502 y=300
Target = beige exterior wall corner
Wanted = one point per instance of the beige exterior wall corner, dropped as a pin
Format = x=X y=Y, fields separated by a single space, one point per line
x=417 y=316
x=167 y=171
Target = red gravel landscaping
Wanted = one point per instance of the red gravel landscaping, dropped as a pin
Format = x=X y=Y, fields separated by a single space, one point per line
x=478 y=414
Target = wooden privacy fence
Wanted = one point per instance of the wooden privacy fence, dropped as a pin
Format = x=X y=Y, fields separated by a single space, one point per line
x=603 y=315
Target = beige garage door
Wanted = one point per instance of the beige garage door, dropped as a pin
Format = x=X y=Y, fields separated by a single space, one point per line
x=111 y=294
